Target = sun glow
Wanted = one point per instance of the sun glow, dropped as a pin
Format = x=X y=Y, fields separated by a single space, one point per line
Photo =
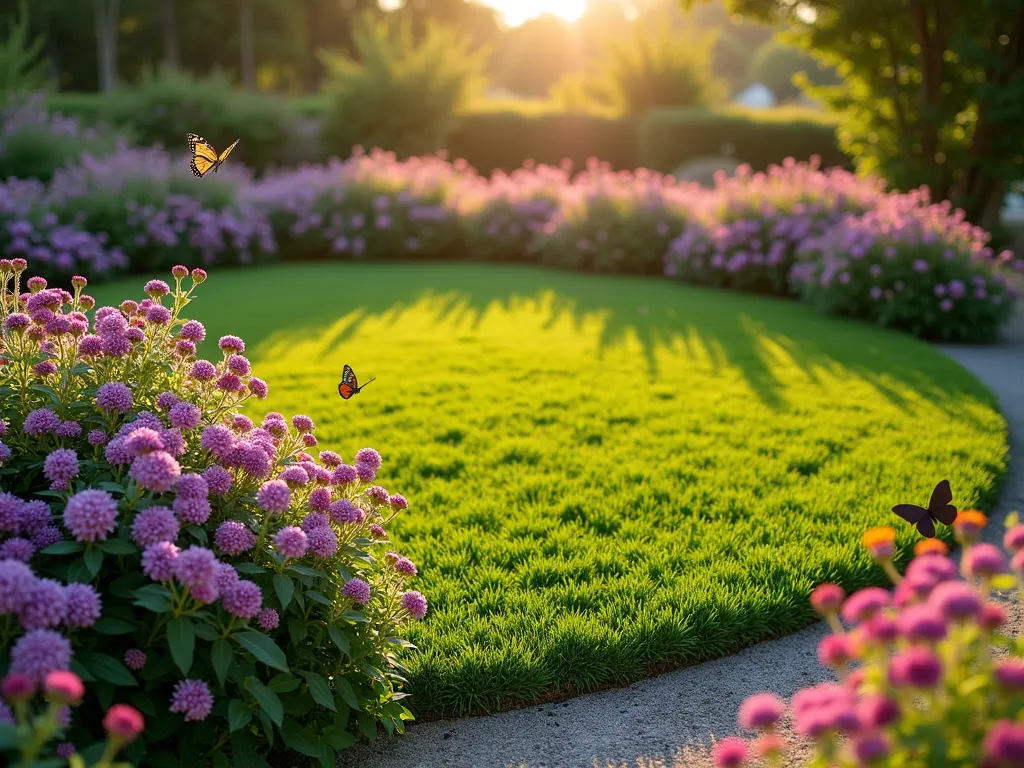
x=515 y=12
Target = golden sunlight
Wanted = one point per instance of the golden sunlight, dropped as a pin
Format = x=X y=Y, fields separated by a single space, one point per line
x=515 y=12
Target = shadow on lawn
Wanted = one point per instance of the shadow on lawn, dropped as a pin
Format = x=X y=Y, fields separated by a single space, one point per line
x=749 y=334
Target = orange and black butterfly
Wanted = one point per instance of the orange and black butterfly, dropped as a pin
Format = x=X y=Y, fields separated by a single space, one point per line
x=349 y=385
x=940 y=508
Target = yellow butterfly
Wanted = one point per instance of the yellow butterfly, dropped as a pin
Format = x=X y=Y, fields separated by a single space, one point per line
x=204 y=156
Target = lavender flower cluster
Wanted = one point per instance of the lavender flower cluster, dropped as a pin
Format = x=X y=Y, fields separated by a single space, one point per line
x=161 y=504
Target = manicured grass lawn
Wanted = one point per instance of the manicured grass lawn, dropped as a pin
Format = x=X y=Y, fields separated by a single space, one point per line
x=607 y=475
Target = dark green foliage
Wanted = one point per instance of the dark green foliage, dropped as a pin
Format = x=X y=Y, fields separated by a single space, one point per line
x=667 y=138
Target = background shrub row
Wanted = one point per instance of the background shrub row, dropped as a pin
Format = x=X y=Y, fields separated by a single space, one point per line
x=279 y=132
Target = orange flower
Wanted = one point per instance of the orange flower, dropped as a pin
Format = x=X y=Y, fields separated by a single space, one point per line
x=926 y=546
x=968 y=525
x=880 y=541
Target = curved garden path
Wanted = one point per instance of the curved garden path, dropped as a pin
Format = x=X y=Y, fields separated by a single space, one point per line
x=670 y=720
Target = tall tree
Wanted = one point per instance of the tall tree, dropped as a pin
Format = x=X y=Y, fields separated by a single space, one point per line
x=107 y=13
x=933 y=90
x=172 y=53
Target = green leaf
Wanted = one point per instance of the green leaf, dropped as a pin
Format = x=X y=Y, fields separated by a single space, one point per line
x=316 y=597
x=1012 y=519
x=367 y=725
x=93 y=559
x=296 y=738
x=319 y=690
x=284 y=683
x=118 y=547
x=243 y=754
x=77 y=572
x=154 y=597
x=337 y=737
x=267 y=699
x=352 y=615
x=112 y=626
x=106 y=485
x=401 y=642
x=107 y=668
x=339 y=639
x=264 y=649
x=249 y=568
x=181 y=638
x=221 y=657
x=239 y=715
x=76 y=761
x=63 y=548
x=285 y=588
x=303 y=570
x=82 y=672
x=326 y=755
x=8 y=736
x=344 y=687
x=199 y=534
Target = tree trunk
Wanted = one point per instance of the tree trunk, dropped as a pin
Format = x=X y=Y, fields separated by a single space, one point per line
x=107 y=19
x=172 y=54
x=245 y=24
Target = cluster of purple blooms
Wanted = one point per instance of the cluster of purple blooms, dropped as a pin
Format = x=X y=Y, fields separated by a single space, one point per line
x=909 y=664
x=137 y=404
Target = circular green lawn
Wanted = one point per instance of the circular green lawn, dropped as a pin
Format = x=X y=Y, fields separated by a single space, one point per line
x=607 y=475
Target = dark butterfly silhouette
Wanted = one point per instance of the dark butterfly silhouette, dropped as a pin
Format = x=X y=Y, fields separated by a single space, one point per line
x=939 y=508
x=349 y=385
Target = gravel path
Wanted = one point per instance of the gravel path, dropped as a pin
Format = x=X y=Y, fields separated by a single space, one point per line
x=670 y=720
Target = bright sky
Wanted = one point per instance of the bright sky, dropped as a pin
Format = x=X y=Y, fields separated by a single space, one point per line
x=515 y=12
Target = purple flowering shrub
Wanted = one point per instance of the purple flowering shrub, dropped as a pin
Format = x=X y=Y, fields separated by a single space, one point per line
x=913 y=267
x=370 y=206
x=616 y=222
x=502 y=215
x=758 y=222
x=34 y=144
x=177 y=555
x=926 y=676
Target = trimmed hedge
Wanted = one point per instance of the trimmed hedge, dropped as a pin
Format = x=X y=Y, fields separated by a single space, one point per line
x=488 y=140
x=506 y=140
x=666 y=138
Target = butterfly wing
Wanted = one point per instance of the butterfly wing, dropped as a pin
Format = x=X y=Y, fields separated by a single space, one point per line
x=940 y=506
x=910 y=512
x=345 y=390
x=226 y=152
x=926 y=527
x=348 y=376
x=204 y=156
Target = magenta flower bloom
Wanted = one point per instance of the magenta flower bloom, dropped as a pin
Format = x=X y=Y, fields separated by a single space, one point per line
x=955 y=600
x=922 y=624
x=158 y=561
x=185 y=416
x=68 y=429
x=134 y=659
x=45 y=605
x=166 y=400
x=762 y=710
x=291 y=541
x=274 y=497
x=156 y=471
x=242 y=599
x=1010 y=674
x=203 y=370
x=65 y=750
x=61 y=466
x=294 y=476
x=268 y=619
x=233 y=538
x=39 y=652
x=378 y=495
x=193 y=331
x=877 y=711
x=1004 y=743
x=365 y=473
x=39 y=422
x=405 y=566
x=114 y=396
x=91 y=515
x=415 y=604
x=934 y=566
x=319 y=500
x=730 y=752
x=194 y=511
x=917 y=667
x=17 y=548
x=864 y=604
x=369 y=457
x=869 y=747
x=192 y=698
x=196 y=567
x=259 y=388
x=343 y=511
x=378 y=531
x=154 y=524
x=880 y=629
x=84 y=605
x=983 y=560
x=192 y=486
x=314 y=520
x=331 y=459
x=302 y=423
x=96 y=437
x=231 y=344
x=358 y=590
x=343 y=474
x=322 y=541
x=397 y=501
x=218 y=479
x=992 y=617
x=1013 y=539
x=16 y=582
x=835 y=651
